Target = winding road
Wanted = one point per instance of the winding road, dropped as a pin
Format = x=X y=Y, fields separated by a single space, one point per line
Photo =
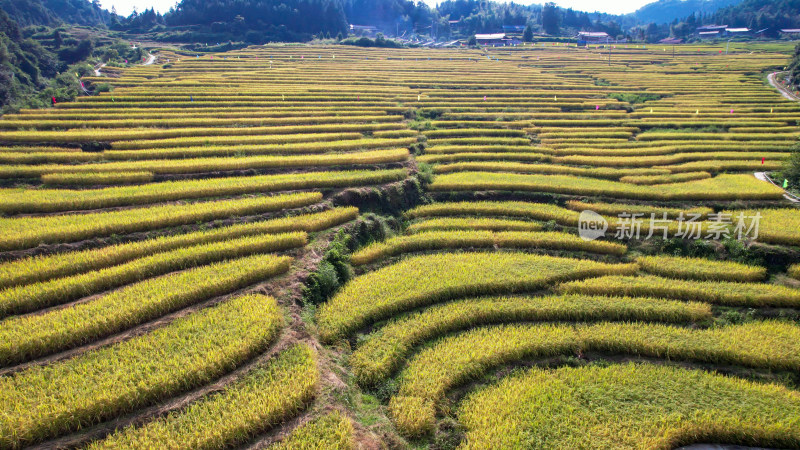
x=788 y=95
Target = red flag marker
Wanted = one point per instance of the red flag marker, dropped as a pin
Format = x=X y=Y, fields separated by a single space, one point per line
x=762 y=160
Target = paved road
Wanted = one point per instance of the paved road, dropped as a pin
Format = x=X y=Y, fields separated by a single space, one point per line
x=763 y=177
x=150 y=60
x=788 y=95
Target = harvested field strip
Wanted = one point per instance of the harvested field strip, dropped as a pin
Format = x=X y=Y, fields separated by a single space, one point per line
x=43 y=402
x=53 y=200
x=263 y=399
x=29 y=337
x=385 y=350
x=437 y=369
x=22 y=299
x=406 y=285
x=26 y=232
x=448 y=240
x=42 y=268
x=754 y=295
x=629 y=405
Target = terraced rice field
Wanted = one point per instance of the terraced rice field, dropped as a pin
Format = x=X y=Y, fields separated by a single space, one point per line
x=336 y=247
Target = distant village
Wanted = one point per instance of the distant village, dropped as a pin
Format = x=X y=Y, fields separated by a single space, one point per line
x=512 y=36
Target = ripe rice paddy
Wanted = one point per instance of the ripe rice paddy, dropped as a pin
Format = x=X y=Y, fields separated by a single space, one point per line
x=436 y=200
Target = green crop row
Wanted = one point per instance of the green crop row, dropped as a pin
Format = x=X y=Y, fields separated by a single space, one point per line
x=425 y=280
x=46 y=401
x=28 y=337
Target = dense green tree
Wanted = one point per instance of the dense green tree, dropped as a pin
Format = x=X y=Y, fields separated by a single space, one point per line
x=551 y=18
x=527 y=35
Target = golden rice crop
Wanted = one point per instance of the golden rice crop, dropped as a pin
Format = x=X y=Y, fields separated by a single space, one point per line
x=51 y=200
x=664 y=179
x=719 y=292
x=452 y=239
x=385 y=350
x=754 y=164
x=26 y=232
x=671 y=159
x=175 y=134
x=45 y=267
x=262 y=399
x=95 y=178
x=598 y=172
x=478 y=156
x=35 y=155
x=131 y=145
x=615 y=209
x=28 y=337
x=425 y=280
x=21 y=299
x=454 y=360
x=86 y=172
x=45 y=401
x=447 y=149
x=465 y=132
x=535 y=211
x=480 y=141
x=700 y=268
x=332 y=431
x=794 y=271
x=240 y=150
x=200 y=122
x=775 y=226
x=723 y=187
x=632 y=406
x=470 y=224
